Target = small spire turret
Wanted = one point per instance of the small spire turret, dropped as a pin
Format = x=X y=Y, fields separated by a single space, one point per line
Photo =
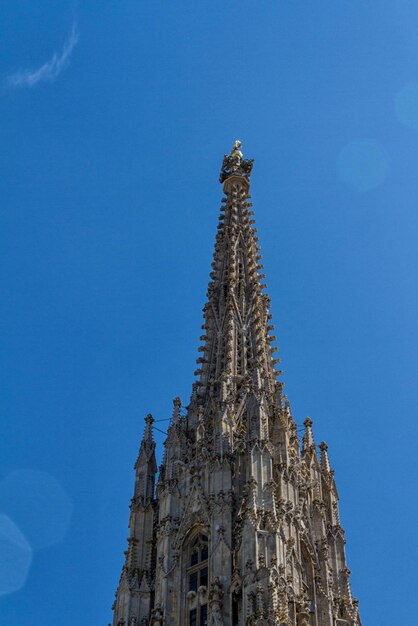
x=308 y=443
x=176 y=410
x=138 y=565
x=148 y=438
x=146 y=465
x=325 y=465
x=147 y=447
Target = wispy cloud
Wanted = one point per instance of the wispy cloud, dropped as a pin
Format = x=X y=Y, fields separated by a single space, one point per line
x=49 y=70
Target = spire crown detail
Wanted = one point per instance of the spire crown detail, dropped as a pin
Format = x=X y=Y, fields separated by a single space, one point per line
x=324 y=457
x=149 y=420
x=308 y=443
x=148 y=443
x=234 y=165
x=176 y=410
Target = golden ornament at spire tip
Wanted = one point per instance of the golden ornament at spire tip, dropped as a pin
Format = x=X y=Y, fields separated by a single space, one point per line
x=236 y=152
x=235 y=165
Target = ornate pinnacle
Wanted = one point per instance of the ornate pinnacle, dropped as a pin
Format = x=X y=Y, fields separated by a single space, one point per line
x=147 y=443
x=324 y=457
x=234 y=165
x=176 y=410
x=308 y=440
x=148 y=439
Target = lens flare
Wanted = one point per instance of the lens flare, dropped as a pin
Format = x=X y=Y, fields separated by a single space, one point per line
x=15 y=556
x=363 y=164
x=37 y=502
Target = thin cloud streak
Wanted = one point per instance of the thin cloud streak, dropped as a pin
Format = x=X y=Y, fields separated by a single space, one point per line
x=49 y=70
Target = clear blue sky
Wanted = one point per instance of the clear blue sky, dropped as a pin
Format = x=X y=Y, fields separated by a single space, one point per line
x=114 y=118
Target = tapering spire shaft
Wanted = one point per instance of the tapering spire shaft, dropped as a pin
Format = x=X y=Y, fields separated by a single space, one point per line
x=237 y=348
x=133 y=596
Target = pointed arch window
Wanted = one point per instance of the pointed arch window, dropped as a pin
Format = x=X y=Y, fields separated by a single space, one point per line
x=197 y=580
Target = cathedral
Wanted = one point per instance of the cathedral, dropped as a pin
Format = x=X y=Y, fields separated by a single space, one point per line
x=242 y=525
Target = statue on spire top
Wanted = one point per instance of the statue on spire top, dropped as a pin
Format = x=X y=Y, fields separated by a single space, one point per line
x=234 y=165
x=236 y=149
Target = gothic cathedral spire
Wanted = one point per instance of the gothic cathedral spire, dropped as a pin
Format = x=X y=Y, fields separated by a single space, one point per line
x=243 y=527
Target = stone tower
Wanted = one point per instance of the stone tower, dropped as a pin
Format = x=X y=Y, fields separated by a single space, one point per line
x=242 y=527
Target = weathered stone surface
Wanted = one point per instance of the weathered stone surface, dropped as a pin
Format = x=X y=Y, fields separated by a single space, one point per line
x=243 y=526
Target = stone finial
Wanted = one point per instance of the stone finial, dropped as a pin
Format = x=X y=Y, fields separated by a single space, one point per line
x=147 y=442
x=308 y=443
x=176 y=410
x=324 y=457
x=148 y=434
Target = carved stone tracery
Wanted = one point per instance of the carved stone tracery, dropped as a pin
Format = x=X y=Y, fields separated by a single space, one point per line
x=236 y=471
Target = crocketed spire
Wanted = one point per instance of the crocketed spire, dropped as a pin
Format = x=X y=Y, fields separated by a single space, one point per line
x=325 y=465
x=237 y=348
x=243 y=527
x=147 y=446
